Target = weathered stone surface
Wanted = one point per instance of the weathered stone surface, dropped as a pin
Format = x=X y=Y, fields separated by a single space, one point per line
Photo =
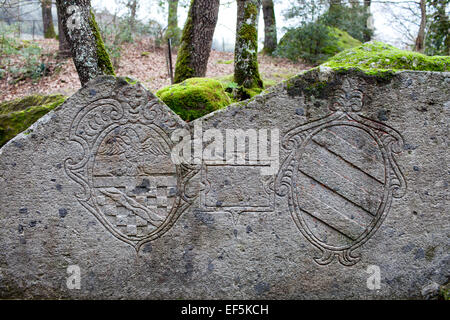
x=361 y=187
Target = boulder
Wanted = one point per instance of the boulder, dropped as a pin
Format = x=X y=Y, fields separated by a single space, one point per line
x=331 y=185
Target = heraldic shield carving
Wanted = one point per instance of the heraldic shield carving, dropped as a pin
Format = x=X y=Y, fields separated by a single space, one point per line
x=340 y=177
x=129 y=181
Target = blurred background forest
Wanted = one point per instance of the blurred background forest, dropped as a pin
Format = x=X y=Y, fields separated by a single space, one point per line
x=291 y=36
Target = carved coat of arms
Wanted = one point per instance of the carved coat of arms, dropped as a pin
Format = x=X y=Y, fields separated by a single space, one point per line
x=340 y=177
x=128 y=178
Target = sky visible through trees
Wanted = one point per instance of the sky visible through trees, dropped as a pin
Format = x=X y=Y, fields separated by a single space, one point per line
x=384 y=13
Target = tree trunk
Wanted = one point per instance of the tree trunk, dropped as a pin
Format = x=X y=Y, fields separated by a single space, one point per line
x=133 y=9
x=197 y=39
x=270 y=28
x=367 y=36
x=47 y=19
x=173 y=32
x=86 y=45
x=335 y=6
x=246 y=71
x=420 y=40
x=64 y=46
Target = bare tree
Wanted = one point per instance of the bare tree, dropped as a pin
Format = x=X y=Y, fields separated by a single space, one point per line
x=420 y=40
x=196 y=41
x=80 y=28
x=246 y=71
x=133 y=7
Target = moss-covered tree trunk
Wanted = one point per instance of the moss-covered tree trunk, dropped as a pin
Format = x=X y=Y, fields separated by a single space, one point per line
x=420 y=40
x=196 y=41
x=47 y=19
x=270 y=27
x=173 y=32
x=86 y=45
x=64 y=46
x=246 y=71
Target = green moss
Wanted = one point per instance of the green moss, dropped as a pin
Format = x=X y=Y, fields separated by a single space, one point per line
x=50 y=33
x=444 y=292
x=343 y=41
x=250 y=10
x=17 y=115
x=382 y=60
x=104 y=60
x=183 y=70
x=309 y=84
x=225 y=61
x=195 y=97
x=131 y=80
x=246 y=71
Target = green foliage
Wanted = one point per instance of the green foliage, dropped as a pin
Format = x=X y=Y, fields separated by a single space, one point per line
x=437 y=40
x=314 y=42
x=19 y=59
x=174 y=34
x=195 y=97
x=350 y=19
x=378 y=58
x=323 y=30
x=17 y=115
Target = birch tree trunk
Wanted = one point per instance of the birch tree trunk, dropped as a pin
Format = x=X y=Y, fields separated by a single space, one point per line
x=196 y=41
x=86 y=45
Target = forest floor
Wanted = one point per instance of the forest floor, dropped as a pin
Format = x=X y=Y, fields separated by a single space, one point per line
x=140 y=61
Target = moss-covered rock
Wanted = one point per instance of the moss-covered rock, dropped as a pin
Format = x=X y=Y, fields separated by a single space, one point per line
x=378 y=58
x=17 y=115
x=195 y=97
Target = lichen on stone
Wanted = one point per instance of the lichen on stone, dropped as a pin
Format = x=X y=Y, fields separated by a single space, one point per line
x=195 y=97
x=19 y=114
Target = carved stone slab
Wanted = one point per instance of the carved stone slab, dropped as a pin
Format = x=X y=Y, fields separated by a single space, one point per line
x=330 y=185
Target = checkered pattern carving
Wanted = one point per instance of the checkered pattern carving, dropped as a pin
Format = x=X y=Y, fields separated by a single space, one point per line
x=157 y=194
